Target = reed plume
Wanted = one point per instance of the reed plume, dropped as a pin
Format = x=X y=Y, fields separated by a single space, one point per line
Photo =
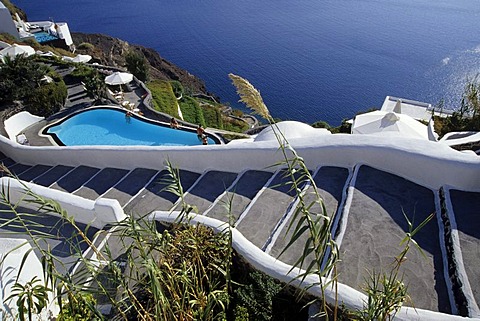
x=250 y=96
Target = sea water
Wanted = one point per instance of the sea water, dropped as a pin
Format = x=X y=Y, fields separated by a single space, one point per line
x=310 y=59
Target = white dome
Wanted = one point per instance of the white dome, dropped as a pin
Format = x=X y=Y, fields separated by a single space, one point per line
x=291 y=129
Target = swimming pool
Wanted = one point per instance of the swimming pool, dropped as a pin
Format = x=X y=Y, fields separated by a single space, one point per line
x=43 y=36
x=110 y=126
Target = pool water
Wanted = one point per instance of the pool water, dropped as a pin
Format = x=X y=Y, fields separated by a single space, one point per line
x=43 y=36
x=112 y=127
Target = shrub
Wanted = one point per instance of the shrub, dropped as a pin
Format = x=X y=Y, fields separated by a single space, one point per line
x=86 y=46
x=213 y=117
x=137 y=65
x=47 y=99
x=321 y=124
x=177 y=88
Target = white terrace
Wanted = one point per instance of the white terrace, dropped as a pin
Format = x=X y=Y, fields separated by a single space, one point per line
x=366 y=182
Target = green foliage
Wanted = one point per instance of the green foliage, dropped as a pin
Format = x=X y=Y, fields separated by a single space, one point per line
x=46 y=99
x=82 y=71
x=177 y=88
x=85 y=46
x=32 y=298
x=257 y=295
x=467 y=117
x=163 y=98
x=95 y=86
x=234 y=125
x=191 y=111
x=19 y=77
x=79 y=307
x=321 y=124
x=137 y=65
x=213 y=117
x=237 y=113
x=344 y=128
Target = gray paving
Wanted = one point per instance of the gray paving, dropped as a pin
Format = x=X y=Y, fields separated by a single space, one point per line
x=52 y=233
x=7 y=162
x=238 y=198
x=154 y=197
x=128 y=187
x=34 y=172
x=269 y=208
x=101 y=182
x=210 y=186
x=330 y=183
x=466 y=206
x=52 y=175
x=18 y=169
x=75 y=179
x=375 y=227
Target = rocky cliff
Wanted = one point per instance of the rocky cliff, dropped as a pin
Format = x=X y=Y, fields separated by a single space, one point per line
x=111 y=51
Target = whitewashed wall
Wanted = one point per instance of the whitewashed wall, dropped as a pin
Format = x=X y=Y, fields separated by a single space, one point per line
x=427 y=163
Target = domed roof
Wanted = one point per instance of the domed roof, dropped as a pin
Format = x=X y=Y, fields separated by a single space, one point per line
x=290 y=129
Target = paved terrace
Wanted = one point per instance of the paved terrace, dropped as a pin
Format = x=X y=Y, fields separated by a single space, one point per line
x=368 y=206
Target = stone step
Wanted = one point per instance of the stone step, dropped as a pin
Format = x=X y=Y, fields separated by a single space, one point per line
x=52 y=175
x=101 y=183
x=18 y=169
x=464 y=216
x=259 y=220
x=34 y=172
x=130 y=185
x=330 y=182
x=374 y=227
x=75 y=179
x=208 y=187
x=240 y=195
x=154 y=197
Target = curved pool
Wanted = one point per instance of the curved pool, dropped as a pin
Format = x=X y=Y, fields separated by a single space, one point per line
x=111 y=126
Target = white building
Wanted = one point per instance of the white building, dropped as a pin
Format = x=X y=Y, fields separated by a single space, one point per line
x=44 y=32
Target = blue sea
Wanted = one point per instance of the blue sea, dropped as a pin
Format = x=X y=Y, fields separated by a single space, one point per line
x=310 y=59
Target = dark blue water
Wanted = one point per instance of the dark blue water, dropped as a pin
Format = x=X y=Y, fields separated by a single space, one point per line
x=311 y=59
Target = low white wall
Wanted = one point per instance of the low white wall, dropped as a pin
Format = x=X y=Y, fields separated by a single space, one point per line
x=96 y=213
x=18 y=122
x=427 y=163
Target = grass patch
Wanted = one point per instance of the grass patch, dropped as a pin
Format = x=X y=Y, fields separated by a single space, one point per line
x=191 y=111
x=163 y=98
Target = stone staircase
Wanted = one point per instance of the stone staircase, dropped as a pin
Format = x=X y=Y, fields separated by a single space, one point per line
x=367 y=207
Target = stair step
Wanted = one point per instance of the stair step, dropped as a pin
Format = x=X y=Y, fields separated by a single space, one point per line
x=127 y=188
x=211 y=185
x=18 y=168
x=240 y=195
x=75 y=179
x=269 y=208
x=34 y=172
x=466 y=212
x=52 y=175
x=99 y=184
x=7 y=162
x=155 y=198
x=375 y=227
x=330 y=183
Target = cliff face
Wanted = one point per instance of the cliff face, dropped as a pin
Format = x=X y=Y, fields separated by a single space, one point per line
x=111 y=51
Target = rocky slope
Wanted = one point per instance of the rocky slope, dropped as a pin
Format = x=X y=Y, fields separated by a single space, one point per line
x=110 y=51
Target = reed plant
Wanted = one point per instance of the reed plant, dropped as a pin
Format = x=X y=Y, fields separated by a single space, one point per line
x=310 y=218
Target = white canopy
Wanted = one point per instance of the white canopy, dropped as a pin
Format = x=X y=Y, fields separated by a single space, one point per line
x=78 y=58
x=119 y=78
x=389 y=123
x=15 y=50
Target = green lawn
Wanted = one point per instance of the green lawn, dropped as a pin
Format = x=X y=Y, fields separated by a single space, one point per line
x=163 y=97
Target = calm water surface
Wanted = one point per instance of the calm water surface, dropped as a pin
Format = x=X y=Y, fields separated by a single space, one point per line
x=310 y=59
